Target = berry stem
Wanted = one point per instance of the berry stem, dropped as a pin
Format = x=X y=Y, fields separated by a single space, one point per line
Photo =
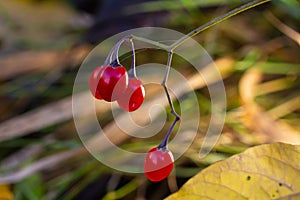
x=132 y=71
x=164 y=84
x=113 y=56
x=163 y=144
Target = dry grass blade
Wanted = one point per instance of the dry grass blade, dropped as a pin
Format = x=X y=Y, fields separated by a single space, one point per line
x=15 y=159
x=285 y=108
x=36 y=119
x=294 y=35
x=45 y=116
x=45 y=163
x=272 y=86
x=257 y=118
x=25 y=62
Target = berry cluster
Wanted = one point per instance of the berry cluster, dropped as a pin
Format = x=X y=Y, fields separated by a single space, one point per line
x=112 y=83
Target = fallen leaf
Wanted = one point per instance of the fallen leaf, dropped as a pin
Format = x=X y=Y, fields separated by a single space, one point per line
x=270 y=171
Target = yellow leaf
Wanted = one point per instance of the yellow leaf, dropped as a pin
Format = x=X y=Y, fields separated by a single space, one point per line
x=5 y=193
x=270 y=171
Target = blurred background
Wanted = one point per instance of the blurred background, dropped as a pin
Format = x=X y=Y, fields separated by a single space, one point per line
x=43 y=43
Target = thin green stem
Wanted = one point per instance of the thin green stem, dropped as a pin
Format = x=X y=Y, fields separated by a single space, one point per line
x=198 y=30
x=217 y=20
x=203 y=27
x=163 y=144
x=170 y=56
x=148 y=41
x=164 y=84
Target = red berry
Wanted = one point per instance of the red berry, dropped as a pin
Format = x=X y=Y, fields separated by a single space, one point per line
x=158 y=164
x=133 y=96
x=94 y=82
x=113 y=82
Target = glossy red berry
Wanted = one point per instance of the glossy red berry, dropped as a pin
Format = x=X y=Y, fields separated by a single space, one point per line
x=113 y=82
x=94 y=82
x=133 y=97
x=158 y=164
